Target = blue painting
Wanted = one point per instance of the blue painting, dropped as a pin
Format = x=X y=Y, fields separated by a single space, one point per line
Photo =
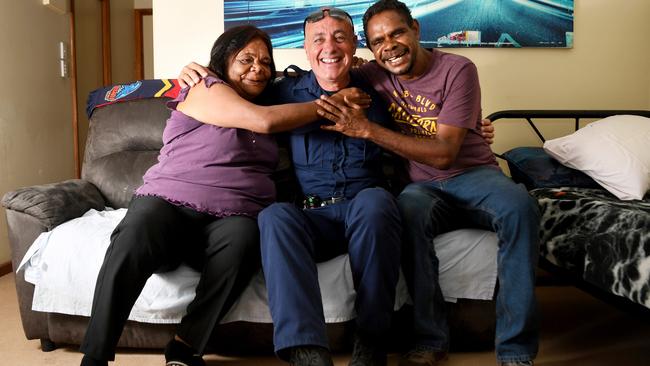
x=443 y=23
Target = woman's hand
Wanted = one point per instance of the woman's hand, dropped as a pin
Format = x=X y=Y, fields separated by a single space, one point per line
x=358 y=61
x=352 y=97
x=192 y=74
x=487 y=130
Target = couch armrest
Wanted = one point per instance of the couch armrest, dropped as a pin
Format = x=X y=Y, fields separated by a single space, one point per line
x=56 y=203
x=31 y=211
x=23 y=230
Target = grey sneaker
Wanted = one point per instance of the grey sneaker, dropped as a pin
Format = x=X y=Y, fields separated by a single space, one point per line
x=310 y=356
x=422 y=356
x=366 y=353
x=517 y=363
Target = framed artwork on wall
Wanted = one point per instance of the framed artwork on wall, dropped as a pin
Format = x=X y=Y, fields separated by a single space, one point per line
x=443 y=23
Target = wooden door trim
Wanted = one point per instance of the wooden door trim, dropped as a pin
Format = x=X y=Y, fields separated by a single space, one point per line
x=139 y=43
x=74 y=92
x=5 y=268
x=106 y=42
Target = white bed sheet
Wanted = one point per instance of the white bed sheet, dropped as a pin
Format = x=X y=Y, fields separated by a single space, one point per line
x=63 y=265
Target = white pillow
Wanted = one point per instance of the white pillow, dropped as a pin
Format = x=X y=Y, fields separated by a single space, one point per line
x=614 y=151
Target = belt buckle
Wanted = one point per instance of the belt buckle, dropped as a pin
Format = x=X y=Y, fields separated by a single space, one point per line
x=313 y=201
x=332 y=200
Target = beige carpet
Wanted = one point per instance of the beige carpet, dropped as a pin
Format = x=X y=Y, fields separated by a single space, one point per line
x=576 y=330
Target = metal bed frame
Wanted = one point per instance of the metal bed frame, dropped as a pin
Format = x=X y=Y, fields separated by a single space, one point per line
x=575 y=114
x=566 y=277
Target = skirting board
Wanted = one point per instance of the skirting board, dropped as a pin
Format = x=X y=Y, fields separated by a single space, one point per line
x=5 y=268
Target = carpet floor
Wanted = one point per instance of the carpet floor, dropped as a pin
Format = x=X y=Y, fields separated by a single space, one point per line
x=577 y=329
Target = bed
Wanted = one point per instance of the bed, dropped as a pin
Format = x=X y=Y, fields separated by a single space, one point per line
x=589 y=236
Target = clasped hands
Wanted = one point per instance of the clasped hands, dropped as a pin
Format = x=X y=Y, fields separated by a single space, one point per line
x=346 y=110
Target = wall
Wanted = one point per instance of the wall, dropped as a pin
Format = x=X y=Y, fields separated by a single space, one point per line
x=88 y=24
x=607 y=68
x=89 y=50
x=122 y=41
x=147 y=46
x=142 y=4
x=35 y=104
x=147 y=37
x=184 y=32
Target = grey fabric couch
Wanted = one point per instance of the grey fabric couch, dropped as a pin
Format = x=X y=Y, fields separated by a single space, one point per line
x=123 y=142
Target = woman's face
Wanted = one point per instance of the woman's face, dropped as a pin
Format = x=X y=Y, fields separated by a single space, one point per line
x=250 y=69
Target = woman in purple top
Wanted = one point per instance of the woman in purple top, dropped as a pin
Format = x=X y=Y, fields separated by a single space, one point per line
x=199 y=203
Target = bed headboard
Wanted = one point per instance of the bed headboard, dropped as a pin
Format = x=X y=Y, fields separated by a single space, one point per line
x=571 y=114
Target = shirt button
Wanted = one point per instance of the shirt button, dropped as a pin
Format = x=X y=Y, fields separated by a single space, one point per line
x=335 y=167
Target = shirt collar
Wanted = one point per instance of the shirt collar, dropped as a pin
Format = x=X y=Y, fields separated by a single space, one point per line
x=308 y=82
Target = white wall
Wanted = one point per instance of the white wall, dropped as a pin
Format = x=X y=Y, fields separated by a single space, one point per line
x=35 y=102
x=183 y=32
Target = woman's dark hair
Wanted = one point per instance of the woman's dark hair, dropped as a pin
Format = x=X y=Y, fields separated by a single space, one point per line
x=231 y=42
x=384 y=5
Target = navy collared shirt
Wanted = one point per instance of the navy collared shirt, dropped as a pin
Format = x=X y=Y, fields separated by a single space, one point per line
x=330 y=164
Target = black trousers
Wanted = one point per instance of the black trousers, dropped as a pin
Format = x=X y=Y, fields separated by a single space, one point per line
x=156 y=236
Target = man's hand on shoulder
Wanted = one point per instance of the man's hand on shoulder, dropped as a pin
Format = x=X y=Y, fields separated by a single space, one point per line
x=358 y=61
x=192 y=74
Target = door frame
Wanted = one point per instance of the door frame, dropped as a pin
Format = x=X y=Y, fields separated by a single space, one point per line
x=139 y=44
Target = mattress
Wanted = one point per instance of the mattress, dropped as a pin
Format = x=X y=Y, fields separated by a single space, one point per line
x=603 y=240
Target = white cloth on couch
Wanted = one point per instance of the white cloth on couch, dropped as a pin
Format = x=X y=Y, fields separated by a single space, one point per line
x=63 y=265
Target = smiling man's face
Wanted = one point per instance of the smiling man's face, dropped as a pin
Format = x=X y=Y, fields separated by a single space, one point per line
x=330 y=44
x=394 y=44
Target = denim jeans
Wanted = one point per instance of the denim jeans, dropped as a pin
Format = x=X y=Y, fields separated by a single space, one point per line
x=482 y=197
x=293 y=240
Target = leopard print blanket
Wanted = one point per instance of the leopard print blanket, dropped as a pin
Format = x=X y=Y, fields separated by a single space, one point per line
x=603 y=239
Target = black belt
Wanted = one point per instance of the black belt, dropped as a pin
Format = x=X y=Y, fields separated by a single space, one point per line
x=313 y=201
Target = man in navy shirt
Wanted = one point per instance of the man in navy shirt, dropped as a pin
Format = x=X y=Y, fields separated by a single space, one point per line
x=346 y=210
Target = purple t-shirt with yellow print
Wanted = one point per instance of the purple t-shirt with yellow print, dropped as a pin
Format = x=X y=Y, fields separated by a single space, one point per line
x=448 y=94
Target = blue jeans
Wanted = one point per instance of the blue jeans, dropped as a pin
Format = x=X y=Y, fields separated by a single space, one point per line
x=481 y=197
x=293 y=240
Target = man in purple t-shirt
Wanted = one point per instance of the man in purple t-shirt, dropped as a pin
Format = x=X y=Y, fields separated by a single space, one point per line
x=435 y=100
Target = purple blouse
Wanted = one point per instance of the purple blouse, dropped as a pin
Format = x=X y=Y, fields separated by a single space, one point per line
x=211 y=169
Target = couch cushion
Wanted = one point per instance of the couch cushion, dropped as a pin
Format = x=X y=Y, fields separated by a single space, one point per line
x=119 y=174
x=123 y=142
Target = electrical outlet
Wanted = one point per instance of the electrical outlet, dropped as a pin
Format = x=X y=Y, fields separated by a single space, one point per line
x=63 y=59
x=63 y=69
x=63 y=51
